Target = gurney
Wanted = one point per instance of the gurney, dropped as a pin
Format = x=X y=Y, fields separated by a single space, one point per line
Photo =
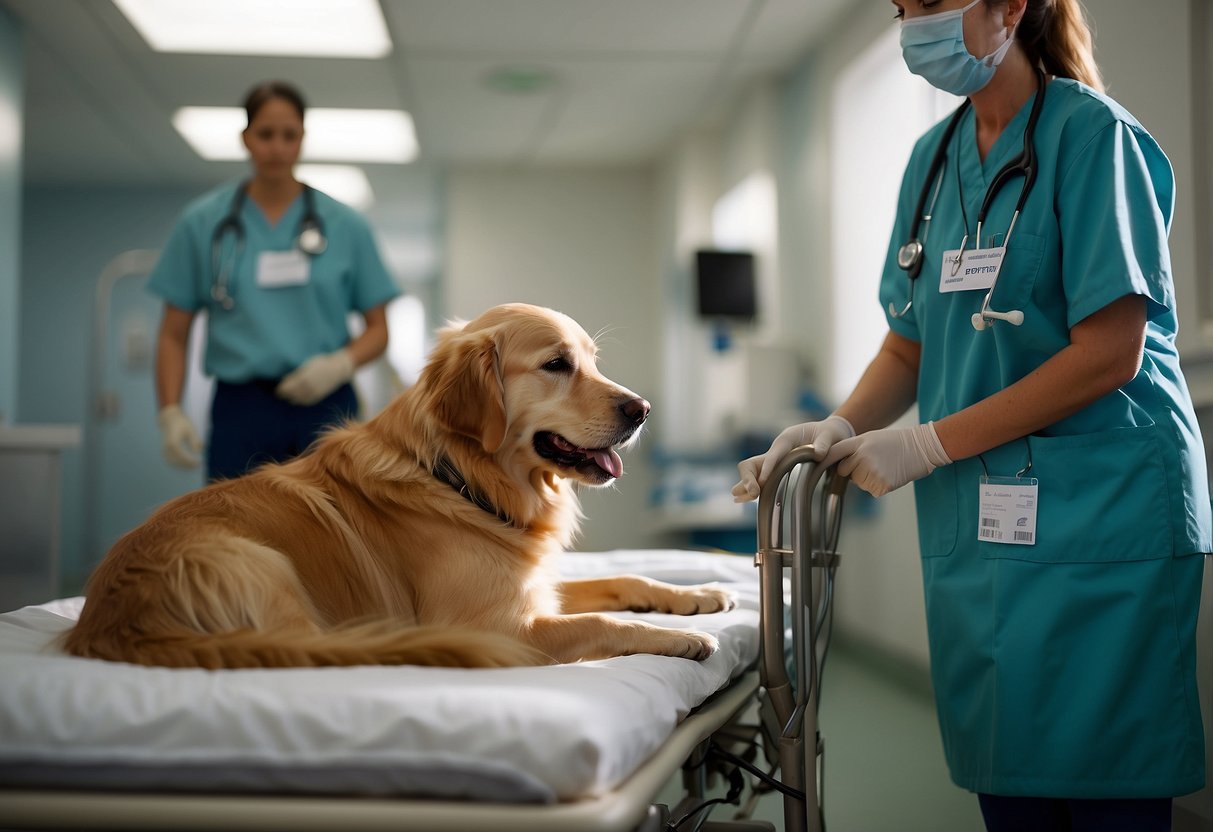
x=588 y=746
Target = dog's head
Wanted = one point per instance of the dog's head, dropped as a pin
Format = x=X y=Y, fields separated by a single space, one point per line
x=522 y=382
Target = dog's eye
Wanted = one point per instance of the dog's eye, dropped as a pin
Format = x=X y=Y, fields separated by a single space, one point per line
x=559 y=364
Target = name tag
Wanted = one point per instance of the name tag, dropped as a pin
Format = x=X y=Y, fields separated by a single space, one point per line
x=283 y=268
x=1007 y=510
x=976 y=269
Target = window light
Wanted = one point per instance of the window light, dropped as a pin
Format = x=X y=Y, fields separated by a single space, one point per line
x=331 y=135
x=312 y=28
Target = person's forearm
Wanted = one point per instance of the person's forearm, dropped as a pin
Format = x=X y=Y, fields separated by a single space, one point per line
x=170 y=371
x=887 y=388
x=373 y=341
x=368 y=346
x=1104 y=354
x=172 y=349
x=1063 y=385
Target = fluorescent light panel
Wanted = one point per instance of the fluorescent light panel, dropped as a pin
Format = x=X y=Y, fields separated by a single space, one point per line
x=344 y=183
x=330 y=135
x=312 y=28
x=10 y=131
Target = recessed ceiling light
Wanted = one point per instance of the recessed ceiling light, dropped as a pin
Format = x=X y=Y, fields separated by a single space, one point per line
x=315 y=28
x=330 y=135
x=345 y=183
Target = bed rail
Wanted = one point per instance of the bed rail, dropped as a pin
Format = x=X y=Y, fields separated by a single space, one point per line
x=799 y=515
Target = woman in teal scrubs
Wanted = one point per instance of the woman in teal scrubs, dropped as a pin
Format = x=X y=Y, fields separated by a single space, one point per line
x=1060 y=479
x=277 y=266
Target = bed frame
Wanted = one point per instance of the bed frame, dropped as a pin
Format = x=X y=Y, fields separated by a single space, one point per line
x=789 y=538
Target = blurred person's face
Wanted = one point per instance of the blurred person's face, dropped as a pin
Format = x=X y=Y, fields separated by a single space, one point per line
x=274 y=139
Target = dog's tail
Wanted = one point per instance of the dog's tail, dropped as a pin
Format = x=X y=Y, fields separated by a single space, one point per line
x=373 y=643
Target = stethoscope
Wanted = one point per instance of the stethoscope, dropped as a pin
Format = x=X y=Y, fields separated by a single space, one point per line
x=910 y=255
x=310 y=240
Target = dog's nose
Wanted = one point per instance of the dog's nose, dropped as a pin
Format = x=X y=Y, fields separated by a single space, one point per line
x=635 y=410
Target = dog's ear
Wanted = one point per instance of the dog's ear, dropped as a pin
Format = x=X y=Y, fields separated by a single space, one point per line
x=469 y=397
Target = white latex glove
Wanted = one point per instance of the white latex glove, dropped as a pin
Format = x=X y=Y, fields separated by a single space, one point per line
x=317 y=377
x=180 y=442
x=821 y=435
x=881 y=461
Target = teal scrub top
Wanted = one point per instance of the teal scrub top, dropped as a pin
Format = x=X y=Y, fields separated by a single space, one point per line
x=1065 y=668
x=271 y=330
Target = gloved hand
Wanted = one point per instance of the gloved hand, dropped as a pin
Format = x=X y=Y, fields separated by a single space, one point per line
x=881 y=461
x=821 y=435
x=317 y=377
x=180 y=442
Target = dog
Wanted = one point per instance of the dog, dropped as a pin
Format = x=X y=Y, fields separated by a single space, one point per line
x=427 y=535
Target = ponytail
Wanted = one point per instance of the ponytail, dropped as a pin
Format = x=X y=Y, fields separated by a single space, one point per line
x=1056 y=36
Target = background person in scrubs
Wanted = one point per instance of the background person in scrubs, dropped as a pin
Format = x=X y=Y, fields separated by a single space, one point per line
x=277 y=339
x=1063 y=656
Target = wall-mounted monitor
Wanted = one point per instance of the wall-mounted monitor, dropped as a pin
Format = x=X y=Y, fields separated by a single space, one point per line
x=726 y=284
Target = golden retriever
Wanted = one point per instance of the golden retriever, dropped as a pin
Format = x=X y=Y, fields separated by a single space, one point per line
x=424 y=536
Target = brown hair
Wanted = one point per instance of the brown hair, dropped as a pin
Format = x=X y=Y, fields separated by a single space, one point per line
x=1056 y=36
x=266 y=90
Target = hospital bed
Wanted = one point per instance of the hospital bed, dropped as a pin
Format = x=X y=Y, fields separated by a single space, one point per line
x=589 y=746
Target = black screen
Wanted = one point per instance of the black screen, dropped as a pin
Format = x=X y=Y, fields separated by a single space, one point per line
x=725 y=280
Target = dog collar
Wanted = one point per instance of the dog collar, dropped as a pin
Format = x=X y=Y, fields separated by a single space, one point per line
x=445 y=471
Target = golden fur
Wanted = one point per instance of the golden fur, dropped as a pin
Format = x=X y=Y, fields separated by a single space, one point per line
x=354 y=553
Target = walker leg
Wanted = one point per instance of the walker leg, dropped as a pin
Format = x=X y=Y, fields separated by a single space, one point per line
x=791 y=766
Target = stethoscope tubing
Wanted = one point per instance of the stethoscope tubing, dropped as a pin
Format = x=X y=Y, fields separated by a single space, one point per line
x=911 y=254
x=310 y=239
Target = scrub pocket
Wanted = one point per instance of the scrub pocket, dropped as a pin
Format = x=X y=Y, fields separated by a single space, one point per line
x=938 y=506
x=1103 y=497
x=1019 y=270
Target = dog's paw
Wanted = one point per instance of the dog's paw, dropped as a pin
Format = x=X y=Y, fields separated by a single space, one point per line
x=681 y=643
x=693 y=600
x=698 y=645
x=662 y=641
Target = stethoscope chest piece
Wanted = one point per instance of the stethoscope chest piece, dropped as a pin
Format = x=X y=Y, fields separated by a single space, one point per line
x=312 y=241
x=909 y=255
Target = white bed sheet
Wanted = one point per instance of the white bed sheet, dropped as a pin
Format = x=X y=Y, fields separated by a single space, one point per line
x=514 y=735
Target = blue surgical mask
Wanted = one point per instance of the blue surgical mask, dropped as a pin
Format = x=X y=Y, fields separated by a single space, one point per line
x=934 y=47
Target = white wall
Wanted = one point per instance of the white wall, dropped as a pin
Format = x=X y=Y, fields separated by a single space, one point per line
x=581 y=242
x=879 y=593
x=1143 y=50
x=697 y=172
x=687 y=185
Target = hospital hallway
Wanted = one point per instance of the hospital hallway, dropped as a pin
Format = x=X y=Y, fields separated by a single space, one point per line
x=884 y=765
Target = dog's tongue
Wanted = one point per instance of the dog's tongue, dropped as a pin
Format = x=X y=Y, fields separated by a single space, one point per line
x=608 y=460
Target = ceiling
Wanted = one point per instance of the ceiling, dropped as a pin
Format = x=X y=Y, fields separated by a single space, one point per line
x=632 y=75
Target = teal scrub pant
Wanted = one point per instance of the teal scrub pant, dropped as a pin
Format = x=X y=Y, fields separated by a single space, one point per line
x=1049 y=814
x=251 y=426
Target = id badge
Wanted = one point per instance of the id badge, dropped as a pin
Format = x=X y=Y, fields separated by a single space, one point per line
x=977 y=268
x=276 y=269
x=1007 y=510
